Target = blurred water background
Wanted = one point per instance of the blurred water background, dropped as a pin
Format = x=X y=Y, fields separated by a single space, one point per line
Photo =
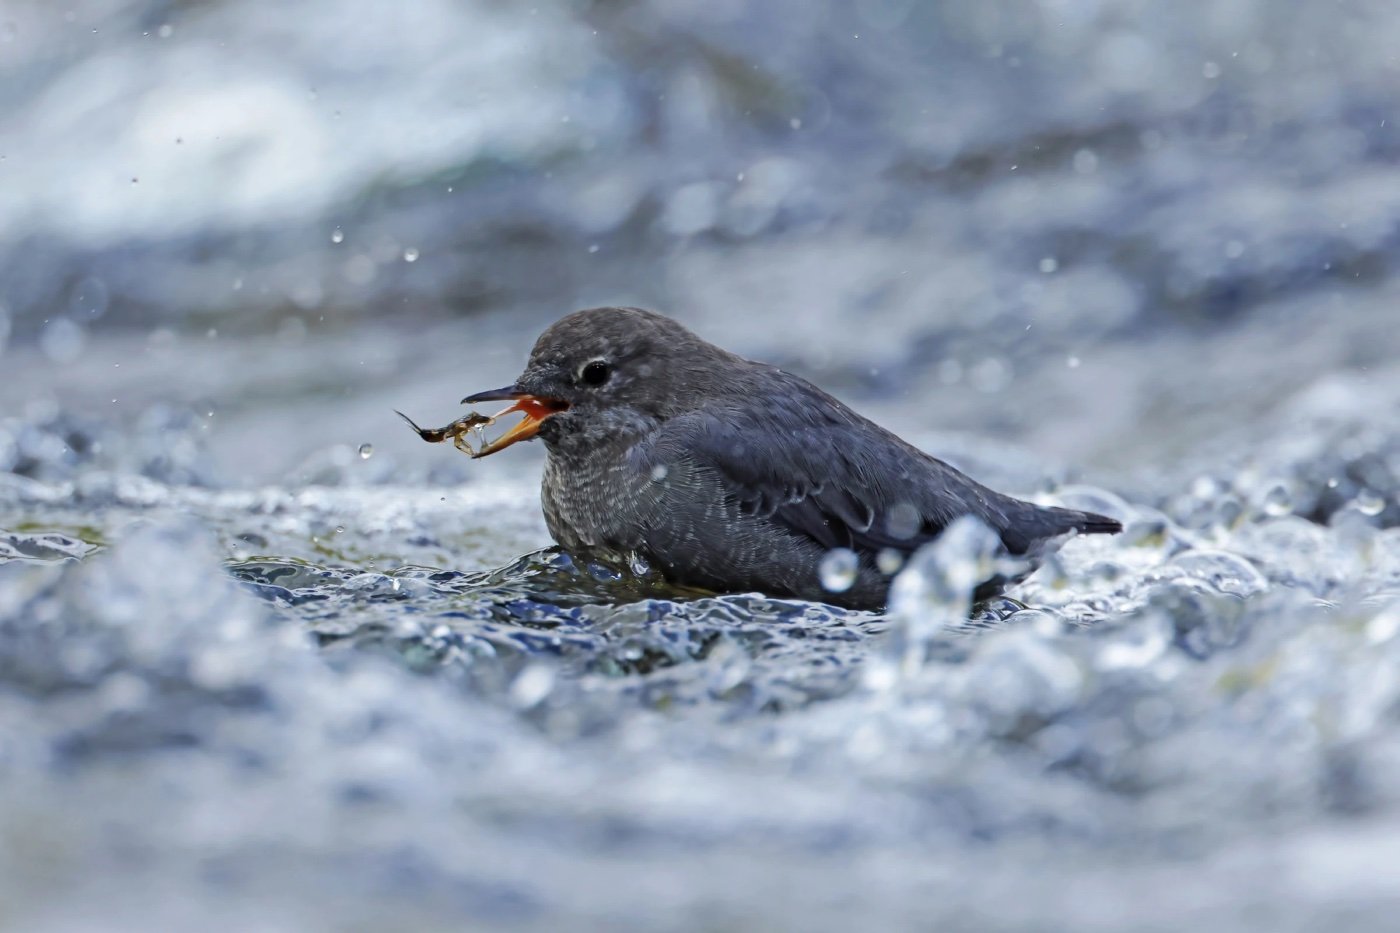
x=269 y=663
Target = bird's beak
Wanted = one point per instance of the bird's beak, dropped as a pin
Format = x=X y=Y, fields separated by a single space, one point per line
x=535 y=408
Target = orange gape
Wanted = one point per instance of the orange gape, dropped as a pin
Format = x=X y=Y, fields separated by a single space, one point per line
x=535 y=411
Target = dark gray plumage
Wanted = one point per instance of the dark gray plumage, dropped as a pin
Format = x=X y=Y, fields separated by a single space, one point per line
x=730 y=474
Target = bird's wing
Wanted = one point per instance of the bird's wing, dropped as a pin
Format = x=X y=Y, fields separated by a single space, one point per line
x=818 y=469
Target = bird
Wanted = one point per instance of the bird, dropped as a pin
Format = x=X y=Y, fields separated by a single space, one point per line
x=730 y=475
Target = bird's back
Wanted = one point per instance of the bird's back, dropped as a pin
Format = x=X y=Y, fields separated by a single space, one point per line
x=754 y=485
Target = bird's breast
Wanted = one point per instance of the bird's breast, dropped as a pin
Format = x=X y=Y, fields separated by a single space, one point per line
x=591 y=503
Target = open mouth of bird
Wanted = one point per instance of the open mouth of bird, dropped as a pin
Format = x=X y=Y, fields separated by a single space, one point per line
x=468 y=434
x=534 y=409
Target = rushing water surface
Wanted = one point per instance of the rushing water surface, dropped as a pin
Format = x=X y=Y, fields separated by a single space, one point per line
x=268 y=662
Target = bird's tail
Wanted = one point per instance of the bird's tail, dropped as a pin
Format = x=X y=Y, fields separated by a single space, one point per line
x=1057 y=521
x=1031 y=527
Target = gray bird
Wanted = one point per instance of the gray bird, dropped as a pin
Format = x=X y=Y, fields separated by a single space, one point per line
x=732 y=475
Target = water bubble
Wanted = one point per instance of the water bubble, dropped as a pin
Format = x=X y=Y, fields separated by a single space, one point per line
x=1368 y=503
x=933 y=591
x=658 y=473
x=889 y=561
x=340 y=529
x=1276 y=501
x=1049 y=264
x=366 y=451
x=410 y=255
x=337 y=235
x=838 y=570
x=1222 y=571
x=903 y=521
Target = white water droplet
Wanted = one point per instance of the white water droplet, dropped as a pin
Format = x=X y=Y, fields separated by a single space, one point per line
x=1277 y=501
x=889 y=561
x=1049 y=264
x=340 y=529
x=1368 y=503
x=366 y=451
x=838 y=570
x=531 y=685
x=658 y=473
x=410 y=255
x=337 y=235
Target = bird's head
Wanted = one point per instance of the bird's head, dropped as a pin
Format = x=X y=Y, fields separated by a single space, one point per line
x=608 y=372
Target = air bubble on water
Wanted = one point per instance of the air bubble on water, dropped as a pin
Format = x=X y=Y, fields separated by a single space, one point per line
x=410 y=255
x=659 y=472
x=337 y=235
x=340 y=529
x=838 y=570
x=366 y=451
x=638 y=564
x=1222 y=571
x=1368 y=503
x=1332 y=482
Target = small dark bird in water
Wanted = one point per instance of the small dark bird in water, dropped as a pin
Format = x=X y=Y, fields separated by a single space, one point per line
x=733 y=475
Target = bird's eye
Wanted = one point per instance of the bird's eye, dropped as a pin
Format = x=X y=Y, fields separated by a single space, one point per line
x=596 y=373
